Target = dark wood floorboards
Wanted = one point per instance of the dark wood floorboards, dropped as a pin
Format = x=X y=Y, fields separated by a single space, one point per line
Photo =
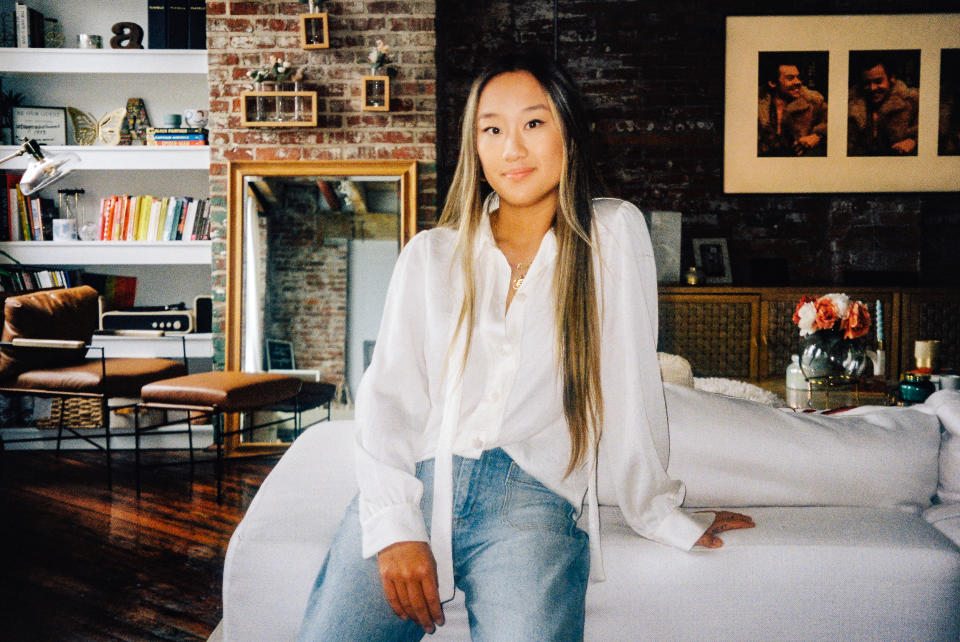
x=80 y=562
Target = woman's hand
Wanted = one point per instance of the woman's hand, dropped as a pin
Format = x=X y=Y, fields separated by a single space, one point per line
x=409 y=575
x=724 y=520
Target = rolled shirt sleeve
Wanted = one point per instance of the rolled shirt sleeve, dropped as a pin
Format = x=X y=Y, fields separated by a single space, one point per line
x=392 y=406
x=634 y=447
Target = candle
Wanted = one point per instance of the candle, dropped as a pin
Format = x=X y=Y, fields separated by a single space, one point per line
x=879 y=322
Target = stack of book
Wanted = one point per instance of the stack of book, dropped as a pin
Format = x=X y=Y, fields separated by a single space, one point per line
x=176 y=136
x=148 y=218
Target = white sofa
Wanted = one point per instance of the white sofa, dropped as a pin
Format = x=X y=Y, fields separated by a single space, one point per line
x=847 y=545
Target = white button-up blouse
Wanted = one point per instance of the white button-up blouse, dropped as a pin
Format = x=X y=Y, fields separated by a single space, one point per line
x=410 y=406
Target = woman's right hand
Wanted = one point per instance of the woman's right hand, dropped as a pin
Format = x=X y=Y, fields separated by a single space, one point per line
x=409 y=575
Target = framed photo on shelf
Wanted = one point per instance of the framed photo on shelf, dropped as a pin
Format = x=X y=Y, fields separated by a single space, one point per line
x=801 y=116
x=46 y=125
x=280 y=355
x=376 y=93
x=314 y=32
x=713 y=259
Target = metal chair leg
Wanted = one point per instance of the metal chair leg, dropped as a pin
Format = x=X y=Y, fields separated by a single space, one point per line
x=136 y=445
x=60 y=423
x=105 y=410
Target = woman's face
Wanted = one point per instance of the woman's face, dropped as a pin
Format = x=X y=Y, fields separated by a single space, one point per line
x=518 y=140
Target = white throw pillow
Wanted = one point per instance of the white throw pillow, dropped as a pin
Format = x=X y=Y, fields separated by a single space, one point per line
x=946 y=404
x=734 y=452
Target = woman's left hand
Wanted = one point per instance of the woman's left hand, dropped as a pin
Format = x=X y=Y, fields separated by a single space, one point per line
x=724 y=520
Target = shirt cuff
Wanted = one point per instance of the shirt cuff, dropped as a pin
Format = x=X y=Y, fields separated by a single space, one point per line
x=399 y=523
x=682 y=530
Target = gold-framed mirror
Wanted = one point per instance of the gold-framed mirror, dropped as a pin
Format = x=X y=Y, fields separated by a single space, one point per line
x=310 y=249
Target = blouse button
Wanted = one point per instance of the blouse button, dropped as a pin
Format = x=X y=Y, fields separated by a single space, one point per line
x=494 y=396
x=478 y=443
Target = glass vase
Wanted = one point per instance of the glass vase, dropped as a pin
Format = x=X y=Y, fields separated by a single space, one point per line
x=260 y=105
x=827 y=359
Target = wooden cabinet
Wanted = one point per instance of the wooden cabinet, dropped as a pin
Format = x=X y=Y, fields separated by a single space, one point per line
x=749 y=332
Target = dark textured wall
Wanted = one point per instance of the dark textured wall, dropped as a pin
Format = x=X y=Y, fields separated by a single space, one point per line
x=653 y=76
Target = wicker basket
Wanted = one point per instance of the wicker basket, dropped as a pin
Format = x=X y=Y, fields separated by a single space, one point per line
x=79 y=412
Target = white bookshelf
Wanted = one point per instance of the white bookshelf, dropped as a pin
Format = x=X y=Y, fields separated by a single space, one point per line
x=15 y=61
x=78 y=253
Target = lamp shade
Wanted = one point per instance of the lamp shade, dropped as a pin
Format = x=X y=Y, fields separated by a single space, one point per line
x=46 y=170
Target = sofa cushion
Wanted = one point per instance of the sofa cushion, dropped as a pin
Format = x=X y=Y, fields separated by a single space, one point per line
x=946 y=405
x=733 y=452
x=69 y=313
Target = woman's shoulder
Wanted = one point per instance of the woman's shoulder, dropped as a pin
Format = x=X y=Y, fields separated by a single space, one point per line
x=616 y=216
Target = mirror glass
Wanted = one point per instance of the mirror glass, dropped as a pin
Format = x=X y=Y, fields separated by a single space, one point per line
x=311 y=247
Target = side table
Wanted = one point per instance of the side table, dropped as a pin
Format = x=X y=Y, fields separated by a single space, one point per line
x=868 y=392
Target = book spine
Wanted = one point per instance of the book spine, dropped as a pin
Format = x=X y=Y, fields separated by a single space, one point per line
x=37 y=39
x=176 y=143
x=36 y=219
x=176 y=130
x=23 y=215
x=197 y=24
x=23 y=25
x=4 y=212
x=157 y=24
x=168 y=137
x=177 y=24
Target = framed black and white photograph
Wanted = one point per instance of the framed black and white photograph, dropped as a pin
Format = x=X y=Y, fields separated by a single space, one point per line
x=713 y=260
x=46 y=125
x=840 y=103
x=280 y=355
x=949 y=134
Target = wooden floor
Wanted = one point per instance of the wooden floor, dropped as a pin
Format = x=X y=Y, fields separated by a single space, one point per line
x=82 y=563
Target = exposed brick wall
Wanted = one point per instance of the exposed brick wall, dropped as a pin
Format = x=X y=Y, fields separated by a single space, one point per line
x=244 y=35
x=653 y=75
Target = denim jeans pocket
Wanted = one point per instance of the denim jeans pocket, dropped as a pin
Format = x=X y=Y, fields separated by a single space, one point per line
x=529 y=505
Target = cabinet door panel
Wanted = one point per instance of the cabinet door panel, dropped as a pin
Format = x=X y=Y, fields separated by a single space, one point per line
x=932 y=315
x=715 y=333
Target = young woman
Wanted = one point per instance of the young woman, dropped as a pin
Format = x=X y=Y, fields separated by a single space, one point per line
x=517 y=336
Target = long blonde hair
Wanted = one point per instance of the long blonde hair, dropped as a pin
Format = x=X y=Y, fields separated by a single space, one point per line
x=574 y=284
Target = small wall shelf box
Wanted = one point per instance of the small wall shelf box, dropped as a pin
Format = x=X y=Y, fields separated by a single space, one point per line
x=376 y=93
x=260 y=108
x=314 y=33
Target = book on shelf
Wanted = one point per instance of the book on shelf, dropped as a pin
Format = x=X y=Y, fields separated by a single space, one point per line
x=157 y=24
x=148 y=218
x=29 y=26
x=162 y=131
x=13 y=212
x=197 y=24
x=23 y=215
x=118 y=292
x=178 y=18
x=177 y=143
x=16 y=278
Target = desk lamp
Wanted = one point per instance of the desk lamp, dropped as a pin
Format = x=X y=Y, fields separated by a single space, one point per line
x=42 y=170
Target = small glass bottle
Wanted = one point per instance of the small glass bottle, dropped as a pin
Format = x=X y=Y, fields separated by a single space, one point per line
x=795 y=378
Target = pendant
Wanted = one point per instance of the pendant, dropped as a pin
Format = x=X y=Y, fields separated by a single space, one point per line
x=518 y=282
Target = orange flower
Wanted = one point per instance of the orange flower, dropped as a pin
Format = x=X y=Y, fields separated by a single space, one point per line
x=827 y=314
x=857 y=322
x=796 y=313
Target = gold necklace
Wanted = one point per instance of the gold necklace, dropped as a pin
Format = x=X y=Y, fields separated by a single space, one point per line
x=517 y=282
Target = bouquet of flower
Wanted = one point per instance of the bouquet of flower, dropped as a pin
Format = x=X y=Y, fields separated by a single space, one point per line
x=832 y=312
x=379 y=57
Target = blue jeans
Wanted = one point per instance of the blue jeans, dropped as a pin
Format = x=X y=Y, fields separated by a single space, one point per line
x=518 y=556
